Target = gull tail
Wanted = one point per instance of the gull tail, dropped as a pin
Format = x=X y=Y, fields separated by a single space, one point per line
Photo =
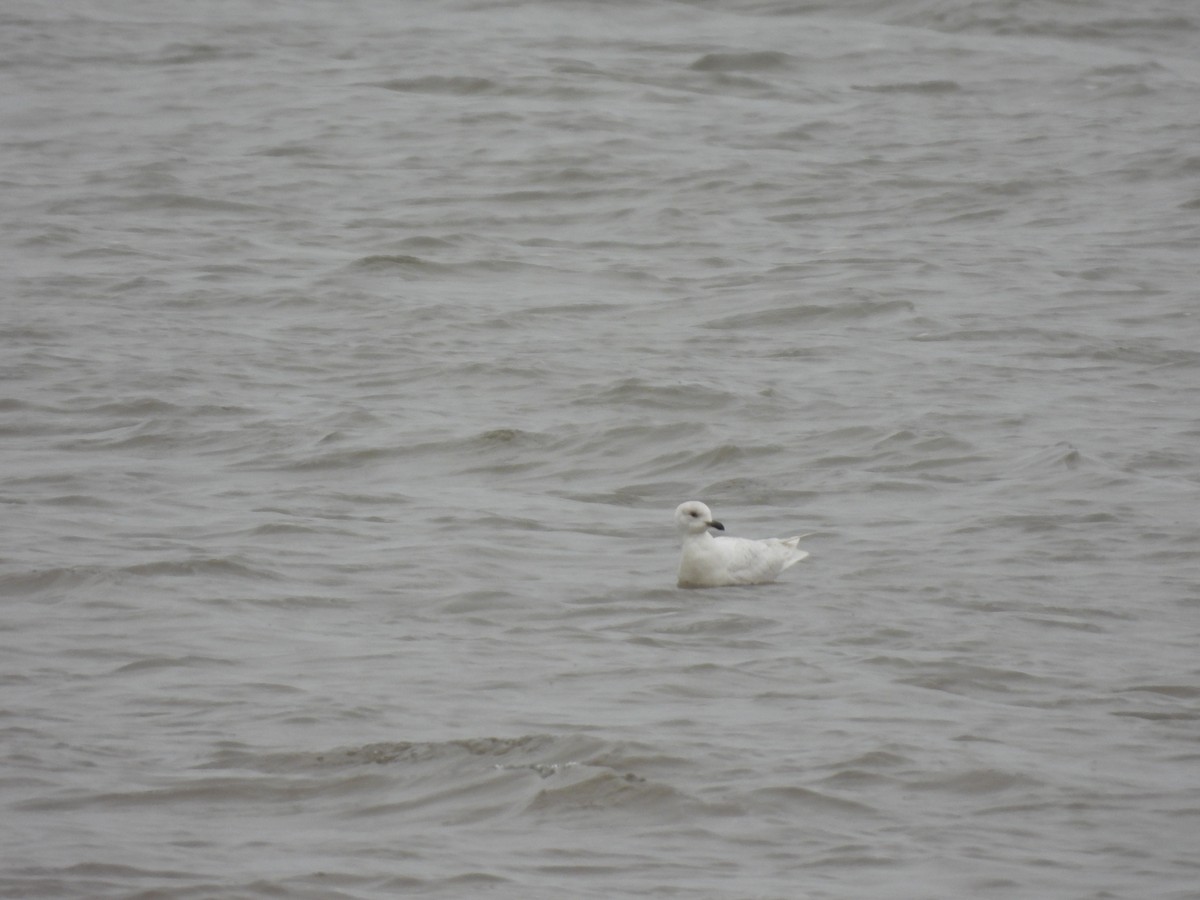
x=793 y=544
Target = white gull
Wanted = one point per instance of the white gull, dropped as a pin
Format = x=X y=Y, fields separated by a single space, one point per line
x=709 y=561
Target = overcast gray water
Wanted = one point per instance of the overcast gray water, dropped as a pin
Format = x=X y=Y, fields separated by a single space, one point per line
x=355 y=357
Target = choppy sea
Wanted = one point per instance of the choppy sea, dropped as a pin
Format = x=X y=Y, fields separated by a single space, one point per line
x=355 y=356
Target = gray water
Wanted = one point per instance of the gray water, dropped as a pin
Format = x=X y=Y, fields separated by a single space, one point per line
x=356 y=355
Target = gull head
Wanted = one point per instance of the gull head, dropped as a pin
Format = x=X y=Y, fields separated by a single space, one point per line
x=694 y=517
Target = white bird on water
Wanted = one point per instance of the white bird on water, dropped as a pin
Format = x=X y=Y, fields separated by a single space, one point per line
x=709 y=561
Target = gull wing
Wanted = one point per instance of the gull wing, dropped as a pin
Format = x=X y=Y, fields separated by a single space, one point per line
x=752 y=562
